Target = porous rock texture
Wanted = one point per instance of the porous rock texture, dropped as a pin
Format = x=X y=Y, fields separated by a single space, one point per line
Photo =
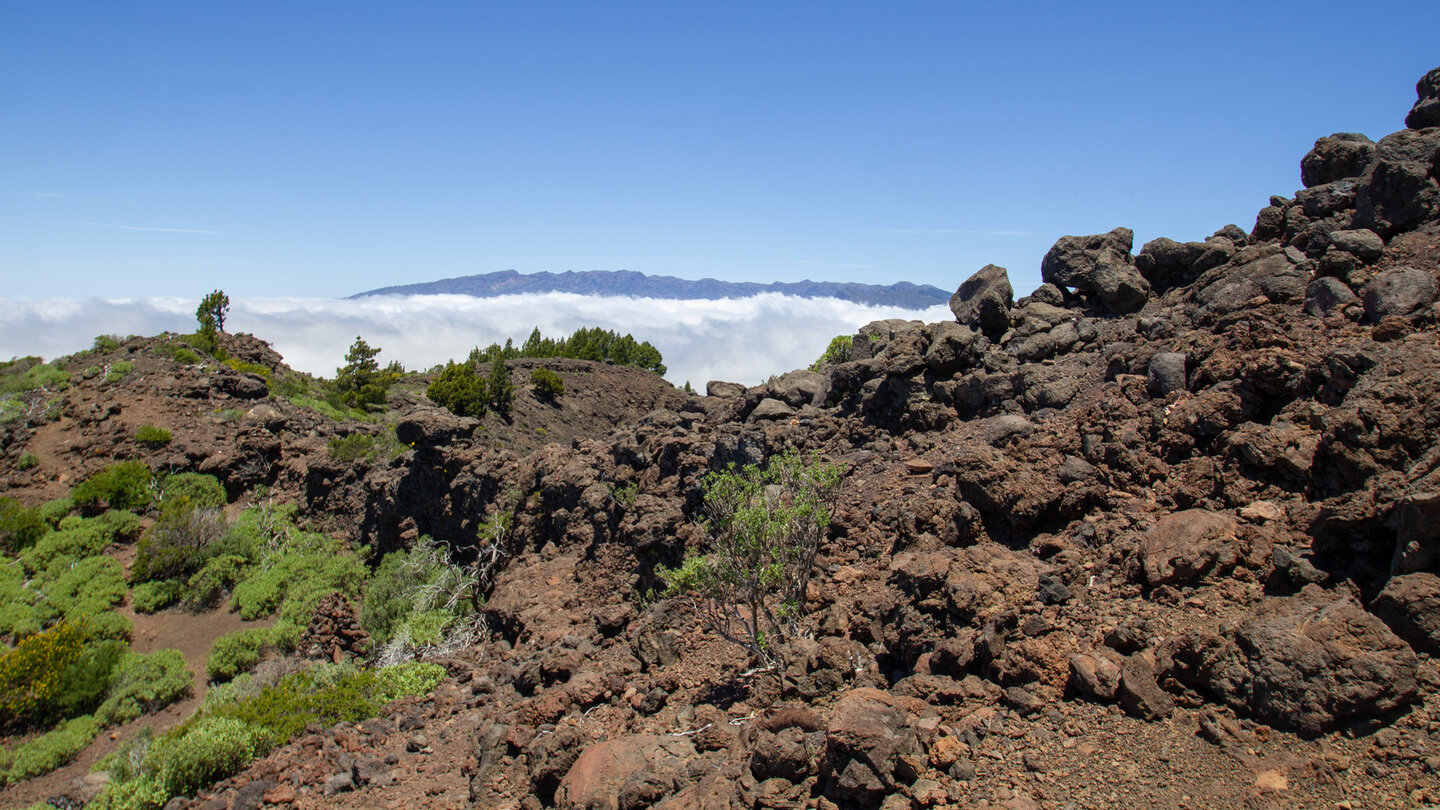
x=1164 y=535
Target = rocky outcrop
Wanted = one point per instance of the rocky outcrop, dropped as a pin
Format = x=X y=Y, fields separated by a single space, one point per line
x=1426 y=112
x=983 y=302
x=1101 y=265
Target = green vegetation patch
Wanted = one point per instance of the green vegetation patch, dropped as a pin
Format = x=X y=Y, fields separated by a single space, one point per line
x=144 y=683
x=48 y=751
x=153 y=436
x=547 y=384
x=152 y=597
x=127 y=485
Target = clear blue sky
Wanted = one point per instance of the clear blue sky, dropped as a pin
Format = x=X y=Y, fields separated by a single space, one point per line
x=319 y=149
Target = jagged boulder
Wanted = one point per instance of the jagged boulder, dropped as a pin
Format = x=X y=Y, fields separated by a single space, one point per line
x=1410 y=604
x=724 y=390
x=1166 y=374
x=634 y=771
x=800 y=387
x=1185 y=547
x=1426 y=112
x=1397 y=291
x=983 y=302
x=1310 y=662
x=1269 y=271
x=1336 y=157
x=870 y=749
x=1398 y=190
x=1100 y=264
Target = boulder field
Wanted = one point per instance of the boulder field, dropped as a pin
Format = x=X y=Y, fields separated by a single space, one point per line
x=1163 y=533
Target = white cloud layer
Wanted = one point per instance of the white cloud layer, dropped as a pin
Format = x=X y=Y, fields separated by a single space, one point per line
x=739 y=339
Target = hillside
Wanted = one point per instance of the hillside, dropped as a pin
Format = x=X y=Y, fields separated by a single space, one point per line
x=1159 y=534
x=638 y=285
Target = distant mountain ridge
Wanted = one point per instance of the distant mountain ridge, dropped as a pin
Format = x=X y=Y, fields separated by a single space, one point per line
x=639 y=285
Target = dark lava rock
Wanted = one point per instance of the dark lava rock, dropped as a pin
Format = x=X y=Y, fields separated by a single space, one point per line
x=1336 y=157
x=983 y=302
x=1398 y=291
x=1410 y=604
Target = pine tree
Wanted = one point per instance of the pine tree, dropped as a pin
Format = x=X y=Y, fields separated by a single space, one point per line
x=502 y=390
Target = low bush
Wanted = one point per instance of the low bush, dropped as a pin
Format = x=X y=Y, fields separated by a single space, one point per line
x=20 y=526
x=347 y=449
x=294 y=581
x=190 y=490
x=547 y=384
x=135 y=794
x=152 y=435
x=19 y=616
x=57 y=510
x=27 y=461
x=121 y=525
x=118 y=371
x=84 y=589
x=75 y=539
x=48 y=751
x=127 y=485
x=152 y=597
x=32 y=673
x=238 y=652
x=203 y=752
x=249 y=368
x=85 y=681
x=142 y=684
x=209 y=586
x=178 y=544
x=105 y=343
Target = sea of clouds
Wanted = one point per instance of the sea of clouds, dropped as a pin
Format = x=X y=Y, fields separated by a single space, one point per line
x=739 y=339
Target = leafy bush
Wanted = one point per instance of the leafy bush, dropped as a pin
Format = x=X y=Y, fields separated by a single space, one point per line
x=118 y=370
x=57 y=510
x=142 y=684
x=33 y=378
x=84 y=682
x=391 y=595
x=105 y=344
x=48 y=751
x=294 y=582
x=75 y=539
x=27 y=461
x=152 y=435
x=122 y=525
x=249 y=368
x=127 y=485
x=837 y=352
x=208 y=586
x=192 y=491
x=766 y=527
x=19 y=616
x=547 y=383
x=152 y=597
x=145 y=793
x=33 y=672
x=178 y=544
x=459 y=391
x=85 y=589
x=20 y=526
x=347 y=449
x=208 y=750
x=239 y=652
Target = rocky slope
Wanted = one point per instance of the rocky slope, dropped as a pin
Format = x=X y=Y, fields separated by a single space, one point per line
x=1161 y=533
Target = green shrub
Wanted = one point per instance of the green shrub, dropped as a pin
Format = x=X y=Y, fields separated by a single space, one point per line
x=57 y=510
x=40 y=376
x=146 y=793
x=75 y=539
x=203 y=753
x=48 y=751
x=249 y=368
x=118 y=370
x=190 y=490
x=142 y=684
x=459 y=391
x=500 y=386
x=390 y=595
x=410 y=679
x=20 y=526
x=837 y=352
x=121 y=525
x=766 y=526
x=32 y=673
x=152 y=597
x=105 y=344
x=86 y=589
x=152 y=435
x=208 y=586
x=547 y=383
x=19 y=616
x=361 y=383
x=294 y=581
x=238 y=652
x=84 y=682
x=178 y=544
x=127 y=485
x=347 y=449
x=27 y=461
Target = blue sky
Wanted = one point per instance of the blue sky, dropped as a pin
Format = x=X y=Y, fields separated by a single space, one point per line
x=320 y=149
